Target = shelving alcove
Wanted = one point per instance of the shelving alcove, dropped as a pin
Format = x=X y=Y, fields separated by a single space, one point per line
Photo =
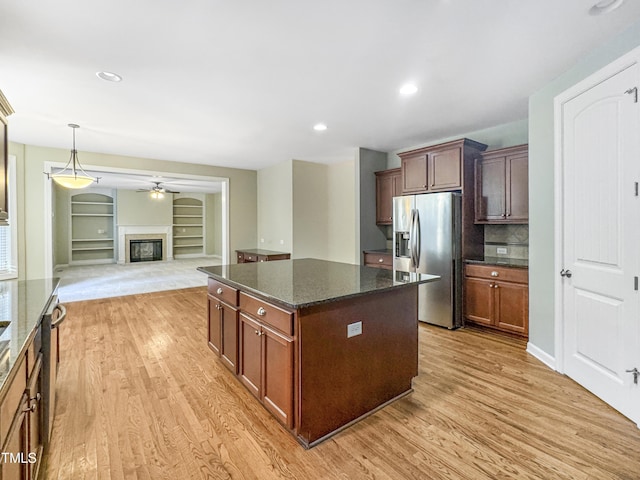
x=188 y=225
x=92 y=227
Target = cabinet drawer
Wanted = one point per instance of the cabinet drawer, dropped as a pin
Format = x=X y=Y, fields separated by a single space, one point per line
x=492 y=272
x=382 y=260
x=12 y=400
x=223 y=292
x=240 y=257
x=250 y=257
x=267 y=313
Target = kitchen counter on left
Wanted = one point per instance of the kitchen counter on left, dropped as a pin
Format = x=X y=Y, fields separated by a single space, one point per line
x=24 y=303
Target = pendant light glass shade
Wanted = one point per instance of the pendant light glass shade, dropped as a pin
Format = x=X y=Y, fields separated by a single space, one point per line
x=73 y=175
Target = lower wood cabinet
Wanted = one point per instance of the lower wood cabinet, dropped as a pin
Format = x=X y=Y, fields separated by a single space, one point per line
x=266 y=367
x=223 y=332
x=20 y=421
x=497 y=297
x=378 y=259
x=254 y=340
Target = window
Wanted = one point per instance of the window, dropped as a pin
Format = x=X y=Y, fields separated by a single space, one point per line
x=9 y=234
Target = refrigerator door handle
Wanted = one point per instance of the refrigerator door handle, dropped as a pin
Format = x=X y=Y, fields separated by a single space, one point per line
x=412 y=238
x=418 y=240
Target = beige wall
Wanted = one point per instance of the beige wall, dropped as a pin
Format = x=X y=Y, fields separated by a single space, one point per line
x=341 y=239
x=275 y=208
x=138 y=208
x=213 y=224
x=311 y=207
x=310 y=210
x=31 y=188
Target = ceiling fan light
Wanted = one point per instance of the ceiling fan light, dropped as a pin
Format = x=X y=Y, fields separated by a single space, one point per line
x=157 y=195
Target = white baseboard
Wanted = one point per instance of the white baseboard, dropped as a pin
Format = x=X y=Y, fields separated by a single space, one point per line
x=541 y=355
x=60 y=266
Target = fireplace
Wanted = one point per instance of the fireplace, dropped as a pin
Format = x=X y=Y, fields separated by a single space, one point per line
x=128 y=233
x=145 y=250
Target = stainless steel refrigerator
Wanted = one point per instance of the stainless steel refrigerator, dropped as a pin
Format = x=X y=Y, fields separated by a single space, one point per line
x=426 y=239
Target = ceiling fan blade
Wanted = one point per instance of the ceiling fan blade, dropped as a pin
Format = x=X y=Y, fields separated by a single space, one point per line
x=142 y=190
x=171 y=191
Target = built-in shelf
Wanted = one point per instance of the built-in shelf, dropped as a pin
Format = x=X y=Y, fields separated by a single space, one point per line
x=188 y=225
x=92 y=226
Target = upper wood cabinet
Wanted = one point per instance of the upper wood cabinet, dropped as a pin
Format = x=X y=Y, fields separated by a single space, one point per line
x=502 y=186
x=439 y=168
x=388 y=185
x=5 y=111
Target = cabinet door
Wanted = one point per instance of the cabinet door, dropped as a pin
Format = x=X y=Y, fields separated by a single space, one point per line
x=414 y=173
x=479 y=300
x=397 y=184
x=384 y=195
x=16 y=446
x=215 y=328
x=250 y=354
x=277 y=385
x=512 y=307
x=229 y=334
x=445 y=169
x=490 y=190
x=34 y=418
x=517 y=188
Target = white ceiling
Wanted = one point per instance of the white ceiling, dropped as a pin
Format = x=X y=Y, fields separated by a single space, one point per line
x=241 y=83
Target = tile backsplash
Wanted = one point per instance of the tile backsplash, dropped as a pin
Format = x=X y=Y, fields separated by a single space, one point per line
x=509 y=241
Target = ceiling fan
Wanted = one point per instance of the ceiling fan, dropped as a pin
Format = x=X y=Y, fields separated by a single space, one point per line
x=157 y=191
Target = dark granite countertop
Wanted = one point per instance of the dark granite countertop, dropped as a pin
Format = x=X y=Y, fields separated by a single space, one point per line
x=502 y=261
x=27 y=301
x=260 y=251
x=305 y=282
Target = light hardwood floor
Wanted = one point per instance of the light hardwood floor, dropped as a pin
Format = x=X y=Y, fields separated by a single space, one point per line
x=140 y=395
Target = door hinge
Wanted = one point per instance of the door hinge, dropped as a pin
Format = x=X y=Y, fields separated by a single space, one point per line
x=635 y=283
x=636 y=188
x=633 y=90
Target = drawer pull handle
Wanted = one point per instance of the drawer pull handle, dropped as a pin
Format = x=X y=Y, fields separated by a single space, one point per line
x=494 y=274
x=261 y=312
x=219 y=291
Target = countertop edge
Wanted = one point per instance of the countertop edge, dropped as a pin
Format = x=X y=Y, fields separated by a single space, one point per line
x=299 y=306
x=497 y=263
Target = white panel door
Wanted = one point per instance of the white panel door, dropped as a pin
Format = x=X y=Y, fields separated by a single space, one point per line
x=601 y=249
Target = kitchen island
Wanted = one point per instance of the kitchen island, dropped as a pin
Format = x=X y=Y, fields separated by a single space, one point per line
x=320 y=344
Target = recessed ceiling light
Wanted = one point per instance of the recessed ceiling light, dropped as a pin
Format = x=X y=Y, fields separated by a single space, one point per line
x=109 y=76
x=605 y=6
x=319 y=127
x=408 y=89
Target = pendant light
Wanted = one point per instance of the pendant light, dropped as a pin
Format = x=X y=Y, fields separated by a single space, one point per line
x=73 y=175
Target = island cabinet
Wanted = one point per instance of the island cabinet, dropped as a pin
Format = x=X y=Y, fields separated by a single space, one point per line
x=497 y=297
x=438 y=168
x=321 y=344
x=388 y=185
x=502 y=186
x=222 y=307
x=266 y=355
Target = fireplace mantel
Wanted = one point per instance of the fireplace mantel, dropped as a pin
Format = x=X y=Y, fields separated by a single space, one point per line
x=136 y=232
